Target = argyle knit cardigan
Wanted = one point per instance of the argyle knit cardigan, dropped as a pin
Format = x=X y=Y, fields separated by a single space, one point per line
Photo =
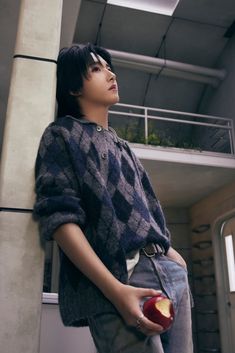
x=88 y=176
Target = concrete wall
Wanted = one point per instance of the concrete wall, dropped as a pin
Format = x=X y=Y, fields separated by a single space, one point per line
x=220 y=101
x=9 y=12
x=55 y=338
x=206 y=279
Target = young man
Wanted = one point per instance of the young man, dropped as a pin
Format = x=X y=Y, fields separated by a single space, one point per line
x=95 y=199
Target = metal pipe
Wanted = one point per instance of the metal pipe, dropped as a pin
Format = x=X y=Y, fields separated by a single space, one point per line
x=177 y=112
x=168 y=67
x=232 y=137
x=165 y=119
x=146 y=125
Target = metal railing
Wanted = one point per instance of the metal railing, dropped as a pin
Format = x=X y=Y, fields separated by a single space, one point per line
x=220 y=133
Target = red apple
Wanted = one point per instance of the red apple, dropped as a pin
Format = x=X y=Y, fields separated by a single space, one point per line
x=159 y=309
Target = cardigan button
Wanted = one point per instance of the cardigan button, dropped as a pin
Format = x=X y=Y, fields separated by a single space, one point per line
x=99 y=128
x=104 y=155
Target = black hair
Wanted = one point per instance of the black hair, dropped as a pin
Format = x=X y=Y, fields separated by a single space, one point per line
x=72 y=68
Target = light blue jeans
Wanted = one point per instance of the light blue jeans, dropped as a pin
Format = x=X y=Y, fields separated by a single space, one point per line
x=112 y=335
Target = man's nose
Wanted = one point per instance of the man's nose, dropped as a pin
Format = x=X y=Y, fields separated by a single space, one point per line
x=112 y=75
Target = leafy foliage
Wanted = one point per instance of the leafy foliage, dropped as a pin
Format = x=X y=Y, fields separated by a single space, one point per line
x=133 y=131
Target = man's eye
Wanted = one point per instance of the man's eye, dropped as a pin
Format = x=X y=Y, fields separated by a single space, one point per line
x=95 y=68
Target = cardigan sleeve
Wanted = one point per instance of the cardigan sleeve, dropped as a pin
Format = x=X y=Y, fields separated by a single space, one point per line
x=58 y=195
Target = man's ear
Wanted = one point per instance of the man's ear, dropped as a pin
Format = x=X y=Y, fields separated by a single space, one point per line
x=75 y=94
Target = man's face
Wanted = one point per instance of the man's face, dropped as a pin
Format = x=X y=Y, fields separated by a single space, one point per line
x=100 y=87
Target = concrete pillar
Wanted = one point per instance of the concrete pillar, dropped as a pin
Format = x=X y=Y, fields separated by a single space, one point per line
x=9 y=13
x=30 y=108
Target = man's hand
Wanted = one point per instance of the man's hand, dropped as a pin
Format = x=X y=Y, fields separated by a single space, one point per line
x=175 y=256
x=127 y=301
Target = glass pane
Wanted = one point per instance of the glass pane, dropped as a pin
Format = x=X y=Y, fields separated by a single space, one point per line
x=230 y=261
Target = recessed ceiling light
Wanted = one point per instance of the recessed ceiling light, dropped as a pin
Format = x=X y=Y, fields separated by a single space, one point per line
x=164 y=7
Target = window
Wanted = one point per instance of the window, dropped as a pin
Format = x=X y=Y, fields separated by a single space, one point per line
x=230 y=261
x=164 y=7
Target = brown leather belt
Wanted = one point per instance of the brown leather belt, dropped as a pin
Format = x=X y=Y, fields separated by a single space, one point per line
x=152 y=249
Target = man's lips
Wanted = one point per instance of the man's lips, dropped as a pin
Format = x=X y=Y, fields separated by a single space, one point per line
x=113 y=87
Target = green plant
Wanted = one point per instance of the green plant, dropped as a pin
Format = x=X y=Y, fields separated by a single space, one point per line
x=135 y=133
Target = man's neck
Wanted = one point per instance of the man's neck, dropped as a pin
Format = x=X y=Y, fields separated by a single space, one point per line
x=98 y=115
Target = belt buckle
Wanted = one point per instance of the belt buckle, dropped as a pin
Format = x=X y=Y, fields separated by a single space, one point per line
x=150 y=254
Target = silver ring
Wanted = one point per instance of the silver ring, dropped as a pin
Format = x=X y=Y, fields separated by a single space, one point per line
x=138 y=321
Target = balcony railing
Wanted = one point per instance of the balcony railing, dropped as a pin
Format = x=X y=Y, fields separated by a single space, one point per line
x=170 y=128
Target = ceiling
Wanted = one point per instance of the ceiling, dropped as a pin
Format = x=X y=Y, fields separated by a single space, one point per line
x=194 y=35
x=181 y=184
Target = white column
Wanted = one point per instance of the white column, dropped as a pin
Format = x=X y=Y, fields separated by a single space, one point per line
x=30 y=108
